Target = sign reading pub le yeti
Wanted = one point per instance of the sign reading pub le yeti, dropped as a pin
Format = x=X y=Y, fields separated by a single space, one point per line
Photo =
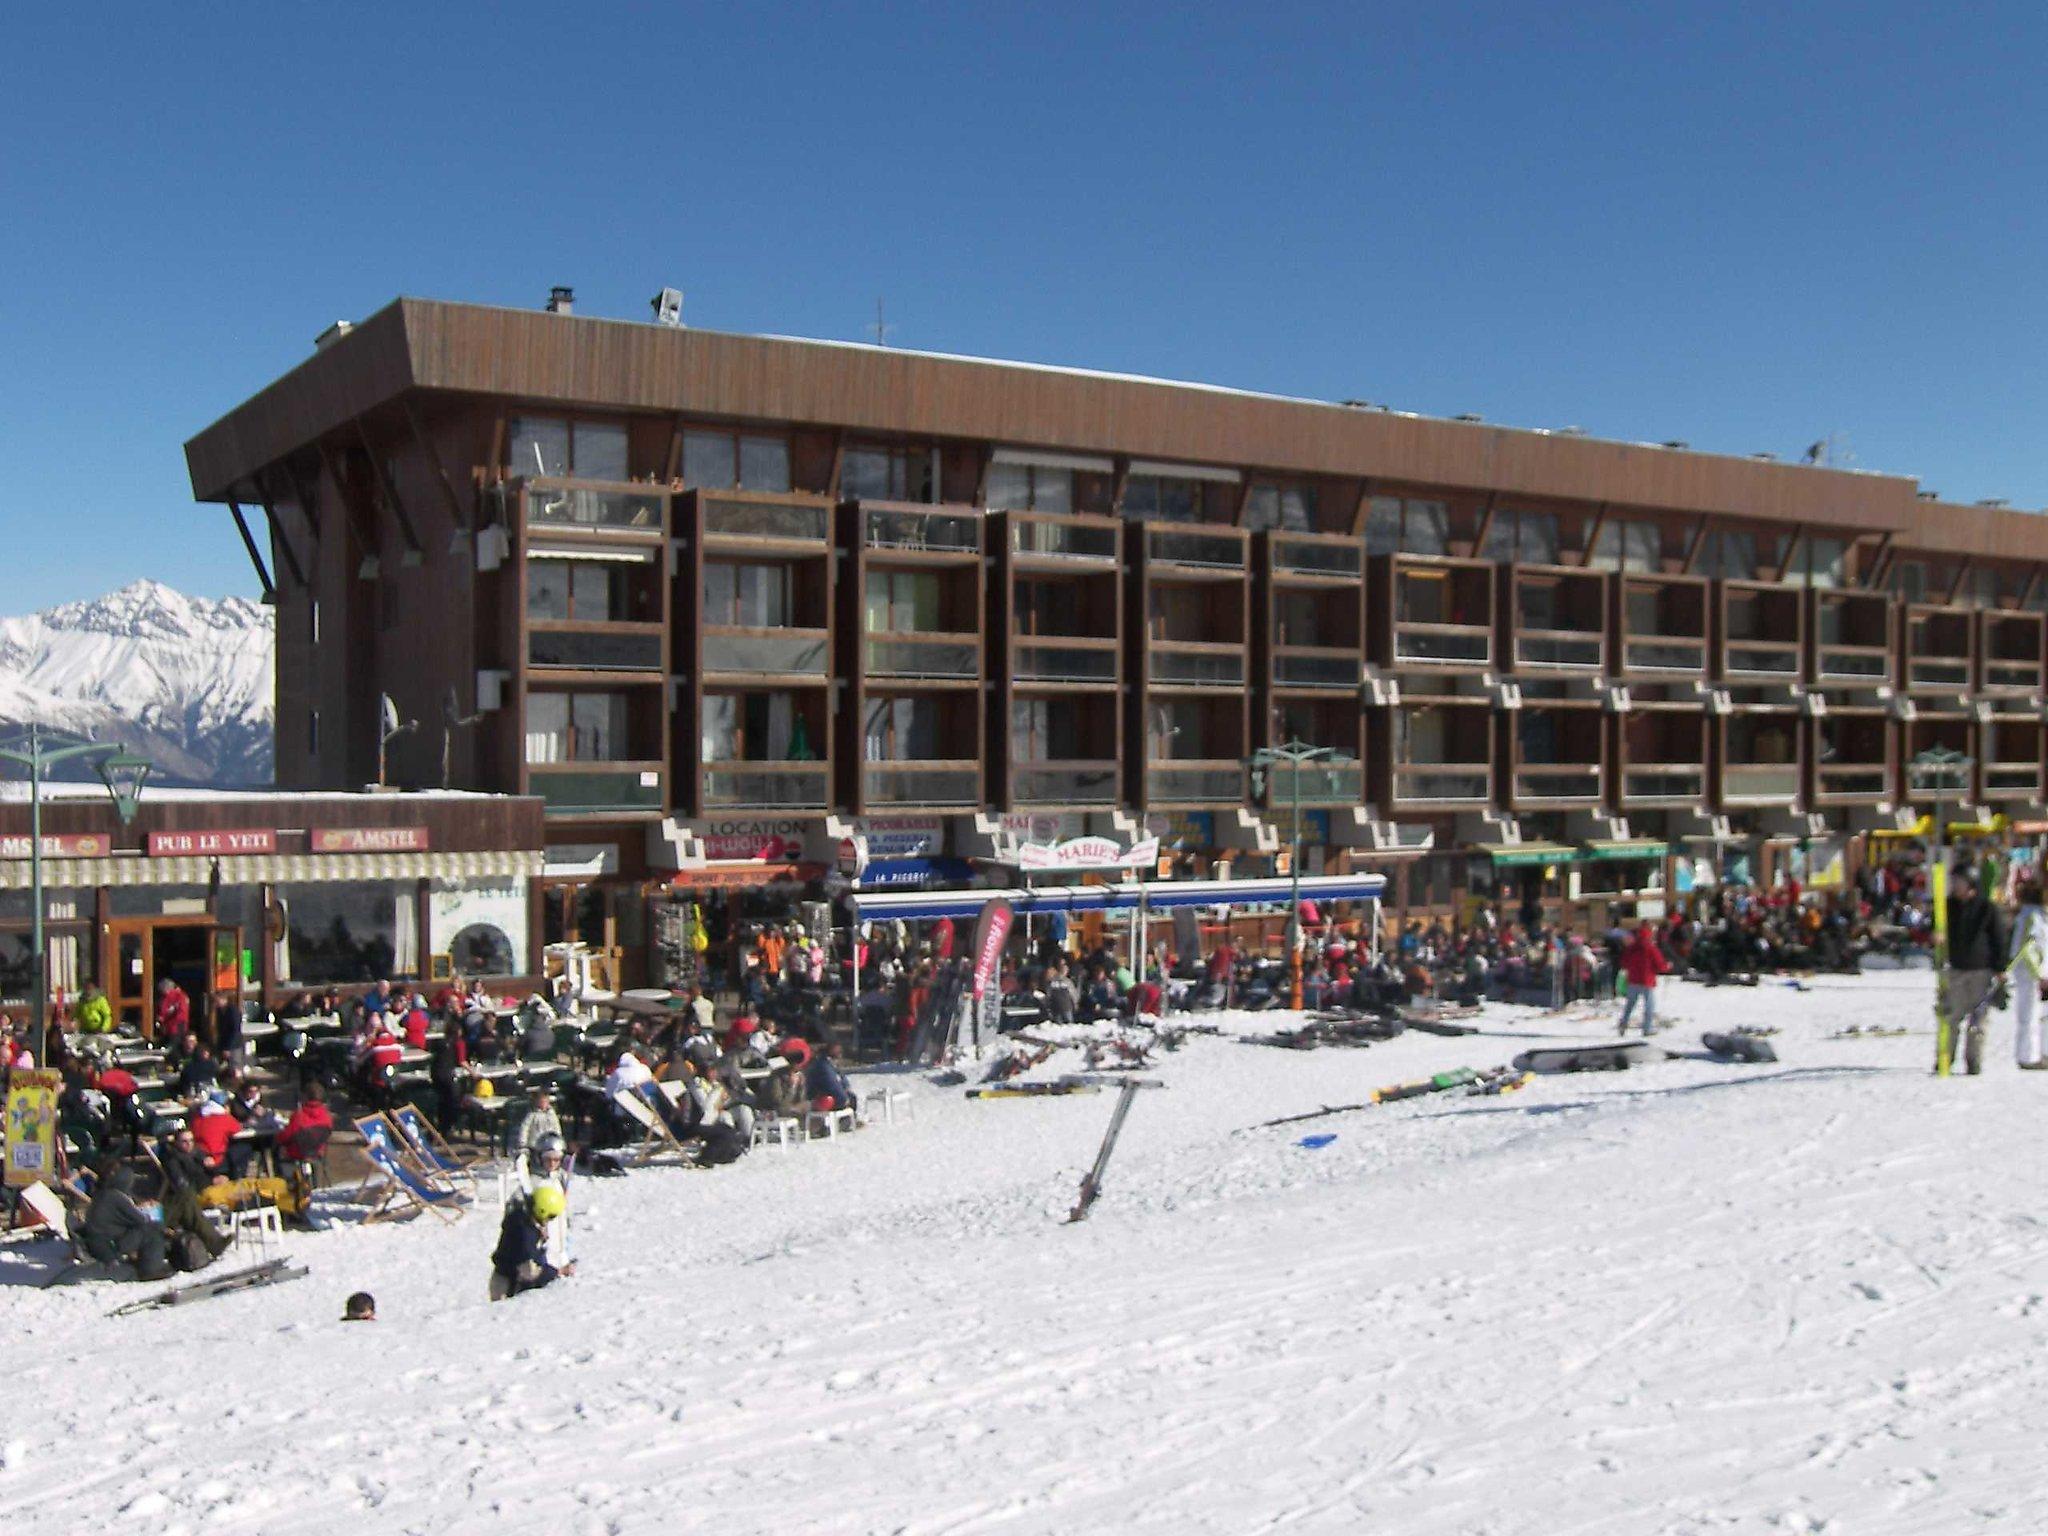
x=215 y=841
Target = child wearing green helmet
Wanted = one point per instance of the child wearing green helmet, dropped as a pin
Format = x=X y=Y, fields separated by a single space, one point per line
x=520 y=1262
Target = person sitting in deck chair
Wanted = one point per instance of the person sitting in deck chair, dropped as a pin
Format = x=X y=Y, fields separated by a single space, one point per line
x=519 y=1263
x=116 y=1231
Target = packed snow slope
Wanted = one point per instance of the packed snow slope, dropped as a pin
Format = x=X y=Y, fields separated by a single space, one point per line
x=184 y=680
x=1688 y=1298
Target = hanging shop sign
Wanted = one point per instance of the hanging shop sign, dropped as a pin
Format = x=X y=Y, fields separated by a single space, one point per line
x=1530 y=855
x=370 y=840
x=1187 y=829
x=1640 y=848
x=216 y=842
x=901 y=837
x=60 y=845
x=744 y=875
x=32 y=1128
x=1081 y=853
x=769 y=842
x=882 y=874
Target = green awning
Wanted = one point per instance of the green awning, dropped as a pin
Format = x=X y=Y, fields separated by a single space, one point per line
x=1634 y=848
x=1522 y=855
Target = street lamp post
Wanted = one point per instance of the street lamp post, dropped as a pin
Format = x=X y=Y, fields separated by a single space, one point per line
x=1295 y=756
x=123 y=774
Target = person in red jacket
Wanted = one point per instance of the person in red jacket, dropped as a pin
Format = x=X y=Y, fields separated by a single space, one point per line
x=173 y=1014
x=302 y=1133
x=1642 y=962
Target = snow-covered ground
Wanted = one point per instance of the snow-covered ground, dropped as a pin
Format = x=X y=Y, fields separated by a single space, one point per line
x=1689 y=1298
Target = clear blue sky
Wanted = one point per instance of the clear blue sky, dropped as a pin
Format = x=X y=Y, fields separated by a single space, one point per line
x=1745 y=230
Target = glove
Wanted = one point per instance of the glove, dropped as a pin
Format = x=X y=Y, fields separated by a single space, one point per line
x=2001 y=996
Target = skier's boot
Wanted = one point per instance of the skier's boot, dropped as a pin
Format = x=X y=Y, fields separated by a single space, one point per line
x=1973 y=1049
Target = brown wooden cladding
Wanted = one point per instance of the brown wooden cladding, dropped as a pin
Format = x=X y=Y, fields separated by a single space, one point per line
x=1983 y=533
x=577 y=361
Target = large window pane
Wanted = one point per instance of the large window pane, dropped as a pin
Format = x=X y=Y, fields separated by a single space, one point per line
x=708 y=460
x=864 y=475
x=598 y=723
x=763 y=598
x=540 y=446
x=1426 y=529
x=596 y=593
x=547 y=727
x=342 y=931
x=1009 y=487
x=600 y=451
x=764 y=464
x=721 y=593
x=1537 y=538
x=1052 y=490
x=547 y=589
x=721 y=734
x=1383 y=526
x=1643 y=547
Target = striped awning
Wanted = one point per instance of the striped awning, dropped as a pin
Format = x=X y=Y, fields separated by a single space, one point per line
x=274 y=869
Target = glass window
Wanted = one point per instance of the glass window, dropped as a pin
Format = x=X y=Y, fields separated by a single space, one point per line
x=598 y=727
x=1052 y=490
x=540 y=445
x=1536 y=538
x=597 y=592
x=764 y=464
x=1009 y=487
x=1163 y=500
x=1642 y=546
x=1383 y=526
x=1909 y=580
x=900 y=730
x=748 y=596
x=342 y=930
x=721 y=733
x=886 y=474
x=547 y=727
x=1826 y=561
x=1426 y=528
x=600 y=451
x=708 y=460
x=903 y=601
x=547 y=589
x=1730 y=555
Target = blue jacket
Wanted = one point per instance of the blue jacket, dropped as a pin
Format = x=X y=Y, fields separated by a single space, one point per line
x=823 y=1078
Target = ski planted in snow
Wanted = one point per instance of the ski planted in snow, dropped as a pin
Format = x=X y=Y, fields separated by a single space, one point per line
x=1091 y=1186
x=1944 y=1032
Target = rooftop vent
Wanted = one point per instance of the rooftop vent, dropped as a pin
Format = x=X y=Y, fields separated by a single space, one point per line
x=1768 y=458
x=667 y=306
x=1998 y=502
x=561 y=301
x=1674 y=443
x=332 y=334
x=1468 y=416
x=1357 y=405
x=1571 y=431
x=1930 y=495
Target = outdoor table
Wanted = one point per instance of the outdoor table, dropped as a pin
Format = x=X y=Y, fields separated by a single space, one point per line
x=262 y=1144
x=493 y=1117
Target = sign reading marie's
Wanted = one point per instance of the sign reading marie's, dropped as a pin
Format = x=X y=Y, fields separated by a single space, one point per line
x=214 y=841
x=1087 y=853
x=369 y=840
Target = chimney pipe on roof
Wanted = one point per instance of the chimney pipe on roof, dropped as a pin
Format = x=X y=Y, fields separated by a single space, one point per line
x=561 y=301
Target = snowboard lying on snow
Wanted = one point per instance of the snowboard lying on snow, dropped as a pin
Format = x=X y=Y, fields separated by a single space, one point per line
x=1618 y=1057
x=1739 y=1047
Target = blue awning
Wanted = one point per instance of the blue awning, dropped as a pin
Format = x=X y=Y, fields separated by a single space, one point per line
x=1159 y=895
x=885 y=873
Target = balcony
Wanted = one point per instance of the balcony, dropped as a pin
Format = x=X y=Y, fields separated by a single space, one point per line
x=1761 y=660
x=1760 y=784
x=1193 y=664
x=598 y=789
x=1066 y=541
x=1675 y=654
x=1442 y=645
x=2011 y=646
x=2012 y=781
x=1836 y=782
x=1316 y=666
x=778 y=522
x=594 y=648
x=1340 y=559
x=1191 y=550
x=932 y=657
x=752 y=786
x=1866 y=664
x=1940 y=653
x=1069 y=783
x=922 y=783
x=922 y=533
x=1467 y=784
x=1063 y=659
x=601 y=508
x=1557 y=784
x=726 y=651
x=1320 y=784
x=1194 y=783
x=1676 y=783
x=1559 y=650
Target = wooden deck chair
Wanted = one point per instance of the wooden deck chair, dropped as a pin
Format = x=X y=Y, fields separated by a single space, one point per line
x=408 y=1187
x=430 y=1149
x=656 y=1140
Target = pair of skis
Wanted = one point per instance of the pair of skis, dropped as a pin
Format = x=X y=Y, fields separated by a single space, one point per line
x=274 y=1272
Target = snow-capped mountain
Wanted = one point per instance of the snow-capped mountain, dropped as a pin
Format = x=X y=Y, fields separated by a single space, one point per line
x=184 y=680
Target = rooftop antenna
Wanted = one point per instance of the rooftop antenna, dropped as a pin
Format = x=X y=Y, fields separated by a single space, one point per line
x=452 y=720
x=389 y=728
x=879 y=328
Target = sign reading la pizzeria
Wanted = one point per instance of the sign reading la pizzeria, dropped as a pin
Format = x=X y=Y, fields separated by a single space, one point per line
x=370 y=840
x=212 y=841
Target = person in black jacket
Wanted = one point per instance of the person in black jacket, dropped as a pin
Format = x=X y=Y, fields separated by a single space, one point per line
x=115 y=1229
x=520 y=1261
x=1977 y=946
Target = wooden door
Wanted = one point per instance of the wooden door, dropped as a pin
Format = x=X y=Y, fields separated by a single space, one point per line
x=128 y=973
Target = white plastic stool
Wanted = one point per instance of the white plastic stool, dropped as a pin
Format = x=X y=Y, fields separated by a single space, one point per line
x=886 y=1100
x=779 y=1129
x=261 y=1225
x=829 y=1122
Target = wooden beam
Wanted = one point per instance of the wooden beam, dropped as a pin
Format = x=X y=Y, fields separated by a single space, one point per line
x=1793 y=541
x=456 y=519
x=1593 y=533
x=2033 y=583
x=494 y=466
x=1872 y=575
x=1364 y=507
x=305 y=494
x=1244 y=501
x=351 y=513
x=675 y=453
x=1488 y=511
x=1694 y=545
x=1955 y=590
x=838 y=462
x=1119 y=482
x=279 y=537
x=255 y=555
x=389 y=494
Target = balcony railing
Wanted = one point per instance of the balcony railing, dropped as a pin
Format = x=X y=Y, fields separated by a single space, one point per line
x=1320 y=784
x=1753 y=782
x=618 y=648
x=1664 y=653
x=1443 y=645
x=1557 y=781
x=596 y=789
x=1855 y=663
x=932 y=783
x=617 y=509
x=1684 y=782
x=948 y=533
x=1443 y=784
x=1303 y=666
x=1188 y=664
x=1194 y=783
x=1855 y=781
x=924 y=656
x=2008 y=676
x=2012 y=780
x=1559 y=648
x=771 y=652
x=1202 y=551
x=1063 y=659
x=1938 y=672
x=1762 y=658
x=1300 y=557
x=743 y=786
x=1093 y=543
x=797 y=522
x=1063 y=783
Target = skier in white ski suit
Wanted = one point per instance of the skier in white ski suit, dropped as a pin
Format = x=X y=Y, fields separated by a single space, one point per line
x=2029 y=945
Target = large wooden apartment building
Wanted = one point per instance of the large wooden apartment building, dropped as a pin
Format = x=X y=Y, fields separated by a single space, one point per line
x=708 y=595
